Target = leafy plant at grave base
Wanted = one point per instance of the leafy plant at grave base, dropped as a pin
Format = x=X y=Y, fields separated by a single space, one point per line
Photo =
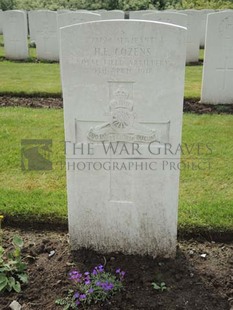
x=93 y=287
x=12 y=269
x=159 y=286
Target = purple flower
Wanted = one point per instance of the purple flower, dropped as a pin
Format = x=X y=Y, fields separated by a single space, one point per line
x=76 y=295
x=91 y=290
x=121 y=273
x=77 y=302
x=94 y=272
x=75 y=276
x=87 y=282
x=110 y=286
x=98 y=283
x=106 y=286
x=87 y=273
x=82 y=296
x=100 y=268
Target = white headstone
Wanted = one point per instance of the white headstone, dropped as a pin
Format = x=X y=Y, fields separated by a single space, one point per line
x=1 y=21
x=32 y=25
x=72 y=18
x=217 y=86
x=115 y=14
x=123 y=85
x=63 y=11
x=139 y=14
x=46 y=35
x=15 y=34
x=204 y=14
x=193 y=35
x=168 y=17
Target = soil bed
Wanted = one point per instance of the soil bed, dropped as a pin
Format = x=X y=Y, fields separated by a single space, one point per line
x=193 y=282
x=190 y=105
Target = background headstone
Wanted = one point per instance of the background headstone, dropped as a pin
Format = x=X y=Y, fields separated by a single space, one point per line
x=168 y=17
x=139 y=14
x=72 y=18
x=32 y=25
x=115 y=14
x=1 y=21
x=204 y=14
x=15 y=34
x=193 y=35
x=63 y=11
x=123 y=83
x=217 y=86
x=46 y=35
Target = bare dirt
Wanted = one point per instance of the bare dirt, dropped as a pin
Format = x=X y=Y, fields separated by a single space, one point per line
x=191 y=105
x=194 y=282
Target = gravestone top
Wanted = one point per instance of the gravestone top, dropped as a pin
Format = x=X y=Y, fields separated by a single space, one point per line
x=1 y=21
x=114 y=14
x=123 y=85
x=15 y=34
x=204 y=14
x=139 y=14
x=71 y=18
x=218 y=60
x=46 y=35
x=168 y=17
x=194 y=18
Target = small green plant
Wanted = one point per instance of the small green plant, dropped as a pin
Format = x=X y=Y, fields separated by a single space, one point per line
x=12 y=269
x=92 y=287
x=159 y=287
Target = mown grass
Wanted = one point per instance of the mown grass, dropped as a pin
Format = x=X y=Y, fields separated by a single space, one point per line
x=193 y=78
x=29 y=78
x=206 y=195
x=35 y=194
x=206 y=192
x=43 y=79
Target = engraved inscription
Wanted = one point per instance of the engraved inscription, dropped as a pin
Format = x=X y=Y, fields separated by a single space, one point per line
x=121 y=55
x=226 y=27
x=122 y=125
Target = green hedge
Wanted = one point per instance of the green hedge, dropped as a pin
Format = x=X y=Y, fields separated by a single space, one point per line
x=115 y=4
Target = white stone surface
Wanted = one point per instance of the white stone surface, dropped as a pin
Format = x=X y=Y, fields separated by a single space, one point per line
x=46 y=35
x=32 y=25
x=193 y=35
x=123 y=83
x=139 y=14
x=168 y=17
x=72 y=18
x=15 y=34
x=114 y=14
x=63 y=11
x=1 y=21
x=218 y=60
x=204 y=14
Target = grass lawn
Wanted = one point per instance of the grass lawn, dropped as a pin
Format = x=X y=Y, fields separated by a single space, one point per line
x=201 y=54
x=206 y=195
x=43 y=79
x=29 y=78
